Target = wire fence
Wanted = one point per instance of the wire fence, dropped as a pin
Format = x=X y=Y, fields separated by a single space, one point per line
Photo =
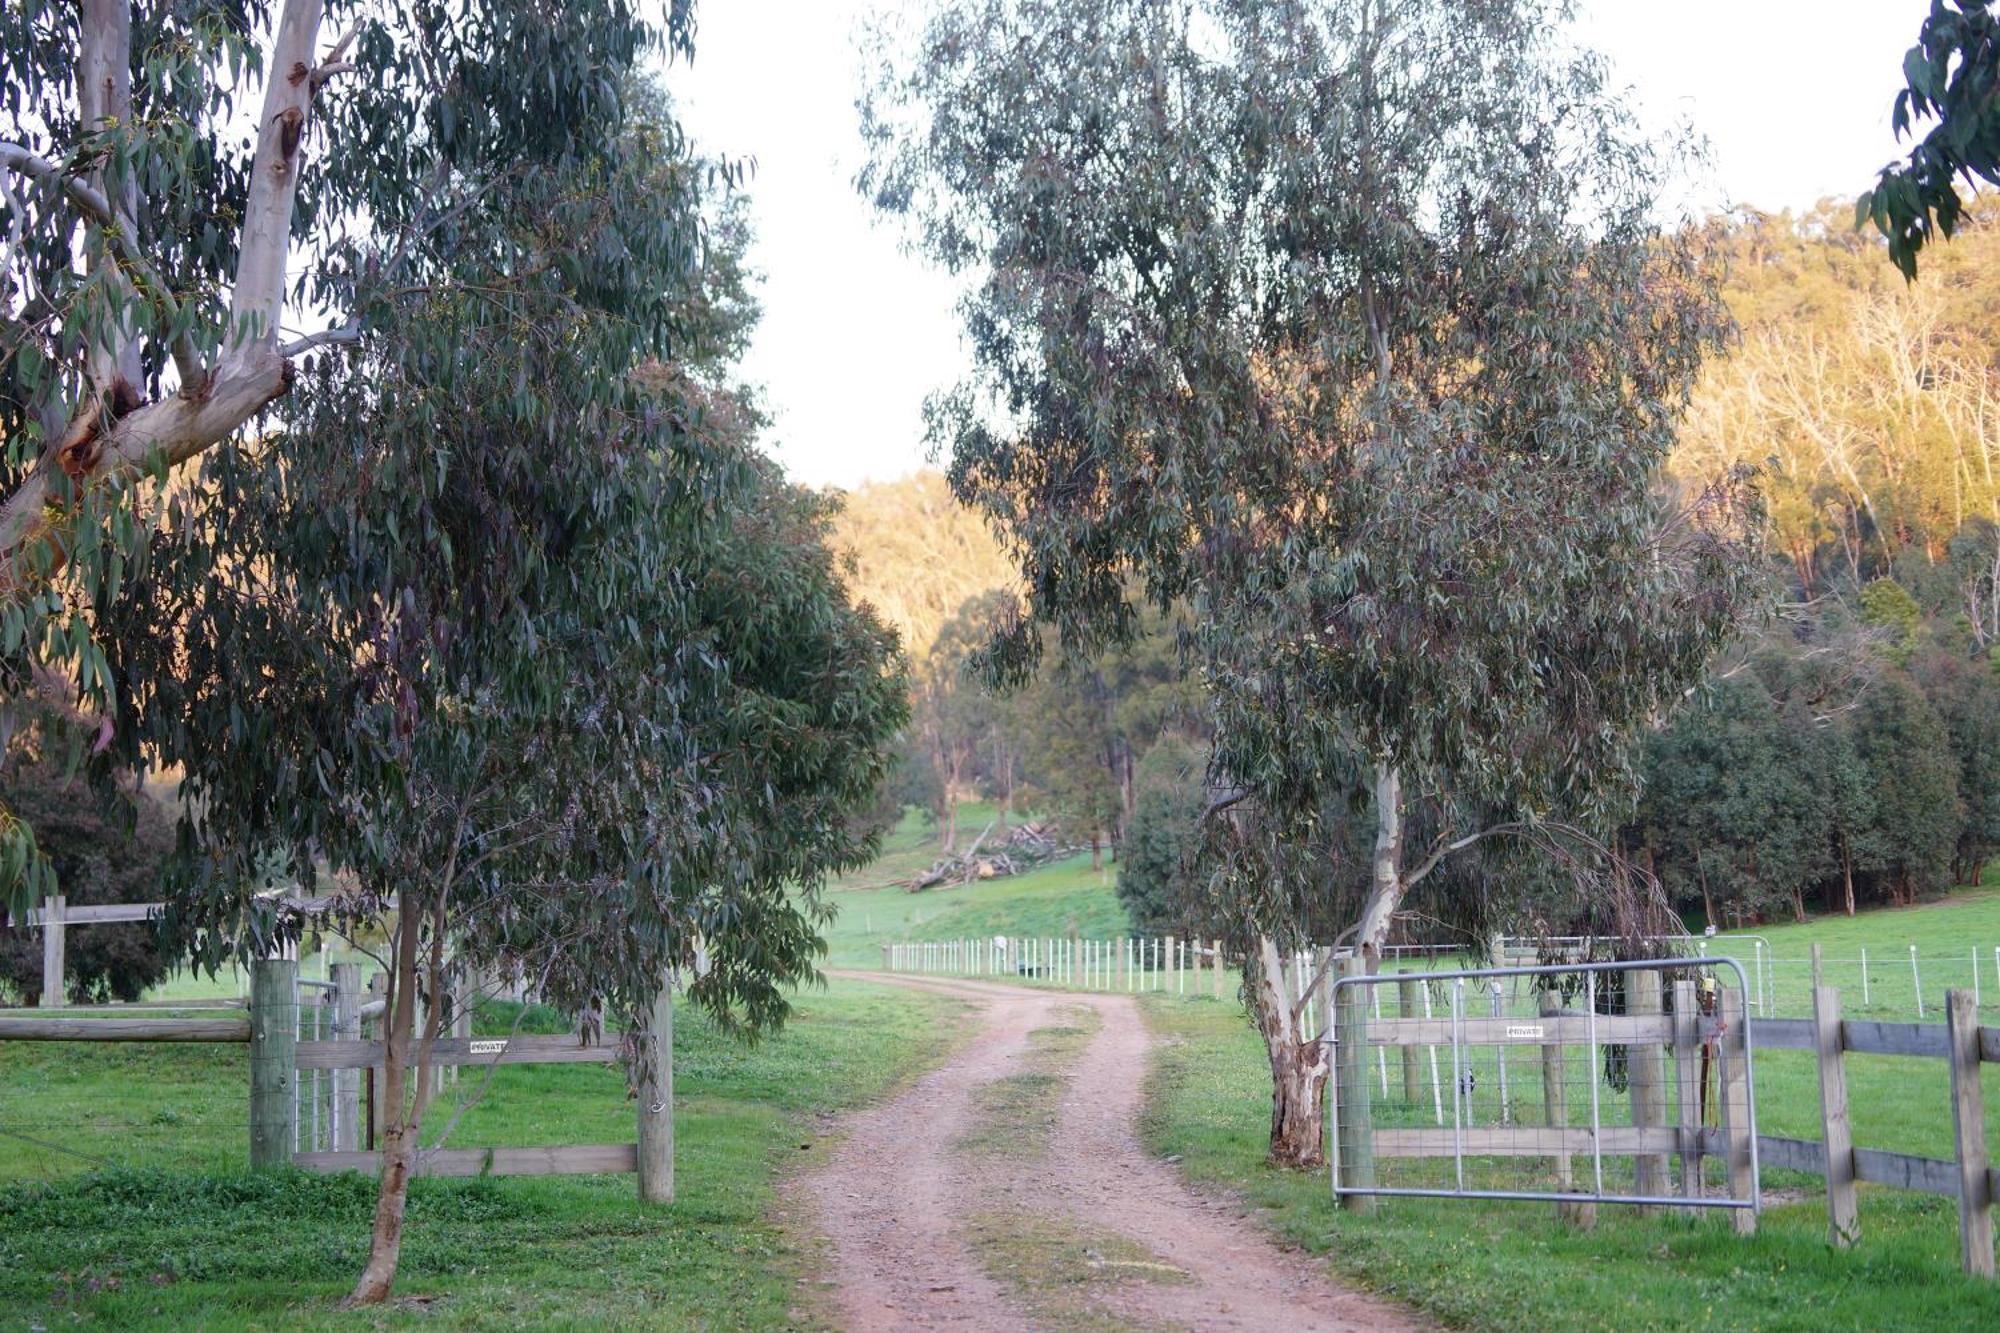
x=1594 y=1082
x=73 y=1107
x=1890 y=980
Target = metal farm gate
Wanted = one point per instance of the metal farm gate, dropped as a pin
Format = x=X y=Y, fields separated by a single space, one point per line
x=1625 y=1082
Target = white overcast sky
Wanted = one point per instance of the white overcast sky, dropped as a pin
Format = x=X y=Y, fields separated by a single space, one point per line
x=1794 y=99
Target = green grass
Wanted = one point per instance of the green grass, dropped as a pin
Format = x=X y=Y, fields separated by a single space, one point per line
x=1507 y=1266
x=1051 y=901
x=1489 y=1266
x=161 y=1228
x=1947 y=933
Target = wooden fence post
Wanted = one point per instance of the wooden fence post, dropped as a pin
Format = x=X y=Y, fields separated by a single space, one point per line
x=1217 y=973
x=1580 y=1214
x=1734 y=1087
x=1648 y=1082
x=274 y=1032
x=1687 y=1085
x=378 y=989
x=53 y=950
x=1842 y=1219
x=1406 y=1006
x=1355 y=1144
x=656 y=1101
x=346 y=1082
x=1968 y=1124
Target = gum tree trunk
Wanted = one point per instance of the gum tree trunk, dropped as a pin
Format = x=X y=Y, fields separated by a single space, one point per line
x=405 y=1098
x=1298 y=1068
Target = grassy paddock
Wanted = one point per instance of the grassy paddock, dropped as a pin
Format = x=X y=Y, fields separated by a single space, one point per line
x=203 y=1243
x=1510 y=1266
x=1050 y=902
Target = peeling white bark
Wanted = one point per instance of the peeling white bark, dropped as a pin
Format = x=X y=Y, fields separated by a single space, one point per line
x=101 y=447
x=1386 y=886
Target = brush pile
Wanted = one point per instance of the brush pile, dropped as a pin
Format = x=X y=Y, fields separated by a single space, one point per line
x=1023 y=848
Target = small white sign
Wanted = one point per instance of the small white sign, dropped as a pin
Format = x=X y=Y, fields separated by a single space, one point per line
x=495 y=1047
x=1524 y=1031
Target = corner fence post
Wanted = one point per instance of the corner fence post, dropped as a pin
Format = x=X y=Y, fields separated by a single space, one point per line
x=1578 y=1215
x=1355 y=1143
x=1735 y=1090
x=656 y=1100
x=346 y=1082
x=1842 y=1217
x=1647 y=1074
x=53 y=950
x=274 y=1027
x=1968 y=1124
x=1687 y=1084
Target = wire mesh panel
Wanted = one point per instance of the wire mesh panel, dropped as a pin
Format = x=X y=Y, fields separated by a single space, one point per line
x=1620 y=1082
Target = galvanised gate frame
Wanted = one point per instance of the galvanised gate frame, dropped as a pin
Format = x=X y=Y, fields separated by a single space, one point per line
x=1647 y=1045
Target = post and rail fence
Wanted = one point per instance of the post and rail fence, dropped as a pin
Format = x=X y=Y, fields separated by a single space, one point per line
x=315 y=1069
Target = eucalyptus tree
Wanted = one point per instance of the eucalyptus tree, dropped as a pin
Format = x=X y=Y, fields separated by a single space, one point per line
x=1951 y=77
x=1354 y=325
x=193 y=196
x=508 y=622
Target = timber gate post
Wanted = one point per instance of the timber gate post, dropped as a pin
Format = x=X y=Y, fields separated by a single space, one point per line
x=274 y=1034
x=346 y=1082
x=1687 y=1084
x=1968 y=1121
x=53 y=950
x=1837 y=1135
x=656 y=1101
x=1734 y=1089
x=1647 y=1074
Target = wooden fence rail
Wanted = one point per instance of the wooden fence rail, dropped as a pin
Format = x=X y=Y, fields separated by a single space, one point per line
x=1968 y=1176
x=124 y=1029
x=269 y=1025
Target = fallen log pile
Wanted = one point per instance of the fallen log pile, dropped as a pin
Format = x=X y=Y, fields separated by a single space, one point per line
x=1022 y=849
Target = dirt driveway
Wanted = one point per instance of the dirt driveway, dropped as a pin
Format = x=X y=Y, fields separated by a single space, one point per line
x=1007 y=1190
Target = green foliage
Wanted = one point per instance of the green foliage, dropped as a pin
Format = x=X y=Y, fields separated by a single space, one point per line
x=1738 y=804
x=1333 y=325
x=1887 y=603
x=1912 y=781
x=102 y=847
x=1162 y=857
x=1966 y=694
x=1845 y=759
x=1952 y=75
x=146 y=273
x=582 y=705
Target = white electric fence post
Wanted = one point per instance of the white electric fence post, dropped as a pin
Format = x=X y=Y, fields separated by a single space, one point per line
x=1917 y=980
x=1381 y=1052
x=1596 y=1119
x=1437 y=1093
x=1458 y=1107
x=1864 y=976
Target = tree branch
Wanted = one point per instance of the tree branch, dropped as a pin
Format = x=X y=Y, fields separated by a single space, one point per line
x=341 y=335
